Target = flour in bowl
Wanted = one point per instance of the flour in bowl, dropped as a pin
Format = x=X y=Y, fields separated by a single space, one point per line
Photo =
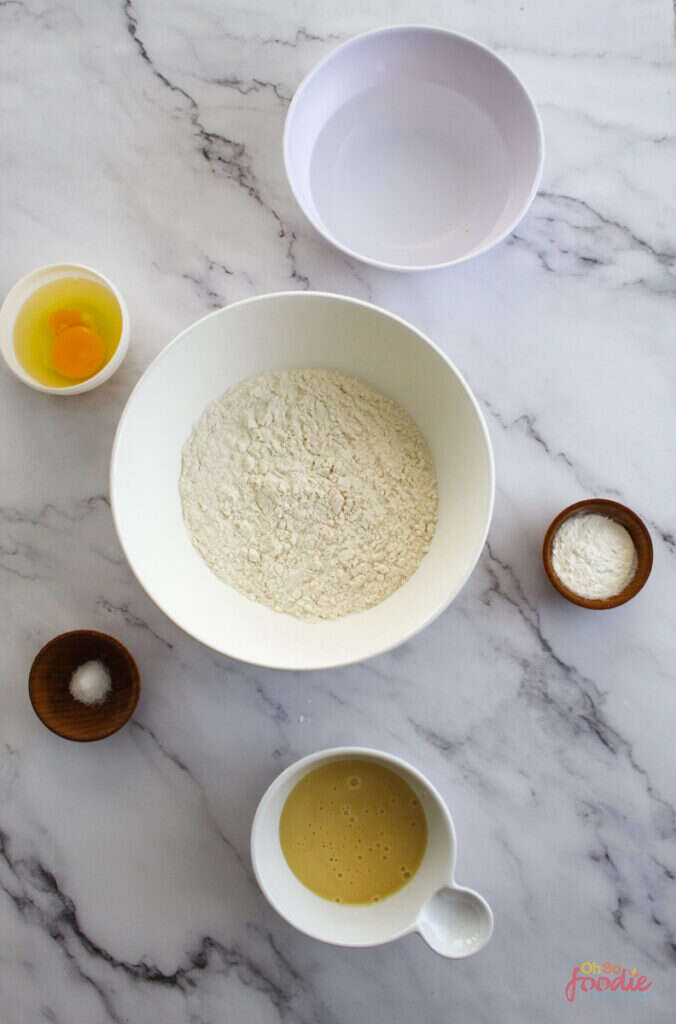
x=309 y=491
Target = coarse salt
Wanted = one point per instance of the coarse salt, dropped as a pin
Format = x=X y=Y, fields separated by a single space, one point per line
x=90 y=683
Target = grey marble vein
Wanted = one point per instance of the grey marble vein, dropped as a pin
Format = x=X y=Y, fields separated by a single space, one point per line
x=226 y=154
x=130 y=618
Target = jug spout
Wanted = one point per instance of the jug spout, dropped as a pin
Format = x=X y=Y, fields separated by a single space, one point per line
x=456 y=922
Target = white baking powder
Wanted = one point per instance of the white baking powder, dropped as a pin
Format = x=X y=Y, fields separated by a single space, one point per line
x=309 y=492
x=594 y=556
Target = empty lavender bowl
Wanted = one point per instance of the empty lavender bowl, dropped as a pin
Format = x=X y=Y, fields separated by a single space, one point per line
x=413 y=148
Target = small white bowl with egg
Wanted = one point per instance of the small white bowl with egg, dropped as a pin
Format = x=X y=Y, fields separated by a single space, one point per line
x=276 y=332
x=27 y=287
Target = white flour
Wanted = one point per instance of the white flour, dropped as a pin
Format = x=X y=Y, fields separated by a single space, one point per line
x=594 y=556
x=309 y=492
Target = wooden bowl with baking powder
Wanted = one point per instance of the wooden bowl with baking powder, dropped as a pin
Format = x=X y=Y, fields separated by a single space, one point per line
x=636 y=529
x=50 y=676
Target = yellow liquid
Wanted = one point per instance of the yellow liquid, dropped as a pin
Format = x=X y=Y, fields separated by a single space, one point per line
x=33 y=338
x=353 y=831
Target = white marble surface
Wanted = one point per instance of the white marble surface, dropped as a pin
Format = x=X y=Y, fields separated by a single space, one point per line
x=144 y=138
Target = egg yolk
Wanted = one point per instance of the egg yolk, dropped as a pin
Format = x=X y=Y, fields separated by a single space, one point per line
x=63 y=318
x=77 y=351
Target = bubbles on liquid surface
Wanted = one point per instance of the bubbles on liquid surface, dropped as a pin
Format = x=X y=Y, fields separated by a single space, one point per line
x=347 y=854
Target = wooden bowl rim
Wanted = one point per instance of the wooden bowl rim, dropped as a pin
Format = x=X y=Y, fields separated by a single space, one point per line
x=135 y=677
x=603 y=506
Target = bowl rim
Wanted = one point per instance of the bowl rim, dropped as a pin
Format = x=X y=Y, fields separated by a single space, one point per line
x=7 y=344
x=335 y=297
x=336 y=753
x=401 y=267
x=621 y=514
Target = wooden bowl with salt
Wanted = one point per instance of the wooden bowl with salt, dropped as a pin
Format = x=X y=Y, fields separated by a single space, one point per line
x=49 y=681
x=636 y=529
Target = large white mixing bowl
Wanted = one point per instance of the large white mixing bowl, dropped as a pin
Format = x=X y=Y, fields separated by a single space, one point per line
x=282 y=331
